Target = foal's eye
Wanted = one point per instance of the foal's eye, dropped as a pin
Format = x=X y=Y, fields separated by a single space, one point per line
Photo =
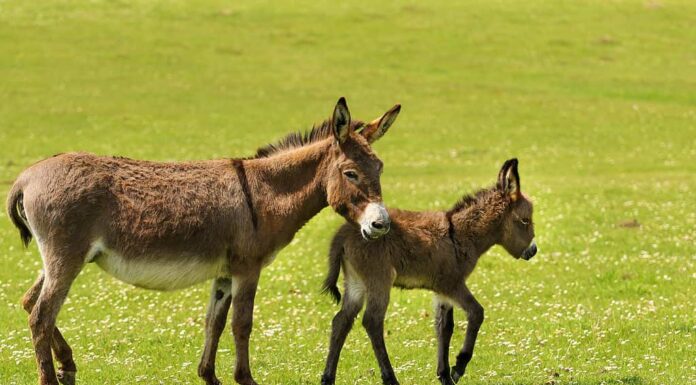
x=350 y=174
x=524 y=221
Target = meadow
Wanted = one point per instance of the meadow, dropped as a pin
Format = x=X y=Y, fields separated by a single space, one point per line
x=596 y=98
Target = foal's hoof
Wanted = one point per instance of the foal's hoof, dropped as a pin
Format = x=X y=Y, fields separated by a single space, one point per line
x=66 y=377
x=208 y=375
x=445 y=380
x=212 y=381
x=246 y=380
x=456 y=375
x=327 y=380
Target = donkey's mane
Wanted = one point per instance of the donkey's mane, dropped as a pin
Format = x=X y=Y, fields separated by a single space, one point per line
x=299 y=138
x=469 y=200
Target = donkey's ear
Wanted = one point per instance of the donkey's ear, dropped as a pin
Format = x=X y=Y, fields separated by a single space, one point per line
x=509 y=179
x=340 y=122
x=376 y=128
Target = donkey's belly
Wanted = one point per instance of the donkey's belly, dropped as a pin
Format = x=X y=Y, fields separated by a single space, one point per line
x=160 y=274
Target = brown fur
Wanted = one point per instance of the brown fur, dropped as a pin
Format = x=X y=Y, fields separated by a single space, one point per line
x=436 y=251
x=218 y=219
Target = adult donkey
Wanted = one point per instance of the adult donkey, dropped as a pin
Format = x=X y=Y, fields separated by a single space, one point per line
x=166 y=226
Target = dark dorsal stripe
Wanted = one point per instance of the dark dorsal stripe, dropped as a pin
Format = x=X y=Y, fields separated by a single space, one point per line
x=238 y=166
x=452 y=235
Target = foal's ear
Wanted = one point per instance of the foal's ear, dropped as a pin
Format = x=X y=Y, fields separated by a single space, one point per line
x=340 y=122
x=509 y=179
x=376 y=128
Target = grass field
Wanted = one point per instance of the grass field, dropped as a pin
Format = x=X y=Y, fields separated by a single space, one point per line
x=596 y=98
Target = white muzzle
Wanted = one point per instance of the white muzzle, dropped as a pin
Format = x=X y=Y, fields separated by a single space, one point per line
x=374 y=221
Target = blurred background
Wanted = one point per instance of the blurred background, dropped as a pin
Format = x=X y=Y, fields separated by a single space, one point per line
x=596 y=98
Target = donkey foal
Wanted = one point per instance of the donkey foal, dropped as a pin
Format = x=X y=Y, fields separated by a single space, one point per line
x=427 y=250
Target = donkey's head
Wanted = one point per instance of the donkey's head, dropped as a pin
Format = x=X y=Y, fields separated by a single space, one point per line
x=352 y=185
x=517 y=224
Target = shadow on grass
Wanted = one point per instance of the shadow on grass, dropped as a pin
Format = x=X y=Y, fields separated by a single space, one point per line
x=631 y=380
x=626 y=380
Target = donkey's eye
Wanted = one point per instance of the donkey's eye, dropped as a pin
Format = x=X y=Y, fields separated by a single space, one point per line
x=350 y=174
x=525 y=221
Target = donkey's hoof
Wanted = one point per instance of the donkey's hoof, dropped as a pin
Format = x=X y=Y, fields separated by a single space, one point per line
x=456 y=375
x=65 y=377
x=211 y=380
x=207 y=374
x=246 y=380
x=445 y=380
x=327 y=380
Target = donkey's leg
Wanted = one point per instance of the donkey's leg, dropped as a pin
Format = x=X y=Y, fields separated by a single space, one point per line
x=243 y=293
x=61 y=349
x=373 y=321
x=340 y=327
x=60 y=272
x=67 y=370
x=218 y=307
x=444 y=327
x=474 y=312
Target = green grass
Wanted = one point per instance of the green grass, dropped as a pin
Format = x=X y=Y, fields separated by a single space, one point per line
x=596 y=98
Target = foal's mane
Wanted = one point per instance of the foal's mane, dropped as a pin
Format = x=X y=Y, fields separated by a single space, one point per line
x=300 y=139
x=469 y=200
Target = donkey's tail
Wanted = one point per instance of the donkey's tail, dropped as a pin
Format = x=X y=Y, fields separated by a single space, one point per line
x=15 y=210
x=335 y=255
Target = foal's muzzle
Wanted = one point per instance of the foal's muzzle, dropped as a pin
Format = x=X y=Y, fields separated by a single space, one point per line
x=374 y=222
x=529 y=252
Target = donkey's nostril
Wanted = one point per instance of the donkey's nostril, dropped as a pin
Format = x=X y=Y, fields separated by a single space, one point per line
x=530 y=252
x=379 y=225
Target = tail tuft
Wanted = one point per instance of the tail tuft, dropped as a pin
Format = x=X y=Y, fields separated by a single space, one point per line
x=335 y=256
x=333 y=292
x=15 y=210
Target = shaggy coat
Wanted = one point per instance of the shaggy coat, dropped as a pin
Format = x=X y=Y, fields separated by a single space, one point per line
x=435 y=251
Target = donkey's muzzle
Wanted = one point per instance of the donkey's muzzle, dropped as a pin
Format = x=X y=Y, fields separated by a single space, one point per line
x=375 y=221
x=376 y=229
x=529 y=252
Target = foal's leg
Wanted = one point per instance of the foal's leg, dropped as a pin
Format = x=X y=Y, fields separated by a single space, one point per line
x=474 y=312
x=444 y=327
x=340 y=326
x=218 y=307
x=61 y=349
x=373 y=321
x=243 y=293
x=60 y=272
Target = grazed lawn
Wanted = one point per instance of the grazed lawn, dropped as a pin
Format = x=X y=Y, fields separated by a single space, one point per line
x=596 y=98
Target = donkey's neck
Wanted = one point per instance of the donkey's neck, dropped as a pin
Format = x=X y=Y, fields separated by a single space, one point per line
x=478 y=227
x=288 y=188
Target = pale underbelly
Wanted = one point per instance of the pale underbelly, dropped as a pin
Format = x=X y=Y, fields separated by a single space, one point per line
x=161 y=274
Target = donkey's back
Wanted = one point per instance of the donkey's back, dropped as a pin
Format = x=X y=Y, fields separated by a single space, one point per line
x=416 y=253
x=131 y=217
